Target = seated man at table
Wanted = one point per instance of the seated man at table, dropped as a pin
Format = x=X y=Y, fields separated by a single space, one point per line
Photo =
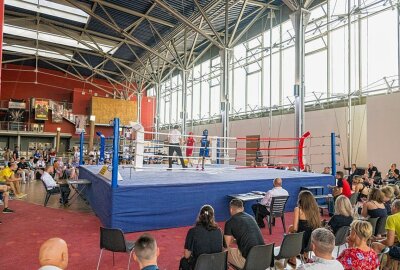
x=55 y=187
x=7 y=177
x=243 y=228
x=261 y=209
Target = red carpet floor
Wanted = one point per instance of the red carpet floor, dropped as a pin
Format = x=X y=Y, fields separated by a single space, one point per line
x=23 y=232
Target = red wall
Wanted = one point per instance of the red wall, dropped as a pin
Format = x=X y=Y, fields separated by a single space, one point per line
x=19 y=82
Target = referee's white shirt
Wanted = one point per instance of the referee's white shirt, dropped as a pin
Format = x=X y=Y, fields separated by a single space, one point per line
x=174 y=136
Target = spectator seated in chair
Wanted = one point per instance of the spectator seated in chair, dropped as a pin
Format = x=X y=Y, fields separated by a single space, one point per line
x=373 y=175
x=392 y=234
x=359 y=255
x=146 y=252
x=7 y=177
x=4 y=191
x=204 y=238
x=388 y=196
x=374 y=207
x=59 y=168
x=342 y=187
x=393 y=174
x=23 y=169
x=322 y=244
x=53 y=254
x=54 y=186
x=306 y=219
x=243 y=228
x=261 y=209
x=343 y=214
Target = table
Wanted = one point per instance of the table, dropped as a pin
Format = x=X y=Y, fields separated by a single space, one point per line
x=78 y=186
x=250 y=196
x=313 y=188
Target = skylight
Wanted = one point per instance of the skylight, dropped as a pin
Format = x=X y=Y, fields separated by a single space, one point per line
x=53 y=38
x=32 y=51
x=50 y=8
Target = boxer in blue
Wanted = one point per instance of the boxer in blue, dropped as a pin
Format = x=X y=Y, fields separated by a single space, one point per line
x=204 y=150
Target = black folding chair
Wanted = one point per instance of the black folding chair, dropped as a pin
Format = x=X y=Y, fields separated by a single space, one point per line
x=292 y=245
x=353 y=198
x=373 y=222
x=277 y=209
x=340 y=237
x=51 y=192
x=380 y=226
x=214 y=261
x=259 y=258
x=114 y=240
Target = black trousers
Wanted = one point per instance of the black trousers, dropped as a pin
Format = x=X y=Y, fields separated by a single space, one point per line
x=65 y=190
x=174 y=147
x=260 y=212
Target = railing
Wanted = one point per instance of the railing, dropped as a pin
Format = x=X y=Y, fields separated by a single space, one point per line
x=21 y=126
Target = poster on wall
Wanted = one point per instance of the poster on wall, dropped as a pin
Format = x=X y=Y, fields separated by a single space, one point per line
x=57 y=112
x=41 y=109
x=80 y=123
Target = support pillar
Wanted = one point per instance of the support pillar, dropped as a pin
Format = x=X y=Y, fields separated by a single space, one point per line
x=139 y=106
x=1 y=37
x=398 y=45
x=183 y=115
x=58 y=138
x=158 y=103
x=225 y=106
x=349 y=90
x=299 y=20
x=91 y=132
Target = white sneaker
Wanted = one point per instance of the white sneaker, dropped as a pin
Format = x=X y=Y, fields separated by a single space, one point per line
x=1 y=202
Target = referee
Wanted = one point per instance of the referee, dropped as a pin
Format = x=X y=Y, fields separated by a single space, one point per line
x=174 y=140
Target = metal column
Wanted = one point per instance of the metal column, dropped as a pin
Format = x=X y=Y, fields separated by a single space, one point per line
x=139 y=106
x=398 y=45
x=299 y=20
x=184 y=99
x=225 y=84
x=349 y=112
x=270 y=83
x=158 y=106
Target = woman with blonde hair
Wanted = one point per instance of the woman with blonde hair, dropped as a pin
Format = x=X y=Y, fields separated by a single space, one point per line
x=343 y=214
x=306 y=218
x=359 y=255
x=374 y=207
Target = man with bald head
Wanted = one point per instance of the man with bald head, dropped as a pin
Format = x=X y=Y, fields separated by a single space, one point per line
x=53 y=255
x=261 y=209
x=146 y=252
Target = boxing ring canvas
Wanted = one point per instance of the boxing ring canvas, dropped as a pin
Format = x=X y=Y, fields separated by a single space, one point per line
x=155 y=198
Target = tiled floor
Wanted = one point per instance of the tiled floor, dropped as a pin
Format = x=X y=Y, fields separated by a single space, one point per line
x=36 y=195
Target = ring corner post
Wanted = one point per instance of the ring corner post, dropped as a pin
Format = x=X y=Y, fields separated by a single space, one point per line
x=333 y=153
x=114 y=178
x=300 y=155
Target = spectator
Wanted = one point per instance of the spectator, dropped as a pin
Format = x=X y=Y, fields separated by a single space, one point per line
x=7 y=177
x=327 y=170
x=261 y=210
x=342 y=186
x=393 y=174
x=146 y=252
x=53 y=254
x=388 y=196
x=242 y=227
x=307 y=168
x=354 y=172
x=36 y=156
x=392 y=232
x=373 y=174
x=204 y=238
x=77 y=155
x=343 y=214
x=359 y=255
x=7 y=155
x=16 y=153
x=55 y=187
x=361 y=188
x=52 y=155
x=24 y=171
x=374 y=207
x=59 y=168
x=396 y=191
x=306 y=218
x=322 y=244
x=4 y=192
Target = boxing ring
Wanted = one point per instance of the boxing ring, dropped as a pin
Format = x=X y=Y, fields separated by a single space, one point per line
x=152 y=197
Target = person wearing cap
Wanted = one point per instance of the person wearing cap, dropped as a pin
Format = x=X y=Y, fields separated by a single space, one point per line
x=174 y=141
x=189 y=147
